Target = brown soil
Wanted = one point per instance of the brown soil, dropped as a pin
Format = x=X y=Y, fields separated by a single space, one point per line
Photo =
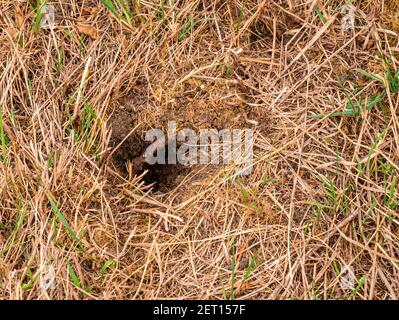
x=196 y=104
x=127 y=151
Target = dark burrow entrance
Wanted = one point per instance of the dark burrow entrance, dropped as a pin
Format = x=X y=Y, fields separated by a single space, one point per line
x=128 y=156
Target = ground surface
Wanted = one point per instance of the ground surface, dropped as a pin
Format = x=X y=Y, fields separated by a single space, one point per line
x=77 y=100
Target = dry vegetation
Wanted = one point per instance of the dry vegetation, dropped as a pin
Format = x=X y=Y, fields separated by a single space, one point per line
x=322 y=101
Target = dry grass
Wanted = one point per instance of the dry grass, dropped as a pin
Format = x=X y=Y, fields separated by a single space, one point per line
x=323 y=194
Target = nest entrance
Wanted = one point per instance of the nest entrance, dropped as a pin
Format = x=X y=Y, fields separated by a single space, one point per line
x=128 y=157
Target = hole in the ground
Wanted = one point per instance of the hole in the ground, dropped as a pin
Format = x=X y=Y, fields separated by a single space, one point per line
x=128 y=157
x=164 y=177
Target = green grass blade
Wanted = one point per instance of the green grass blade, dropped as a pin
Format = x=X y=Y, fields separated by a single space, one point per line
x=125 y=10
x=106 y=266
x=64 y=221
x=369 y=75
x=320 y=14
x=110 y=5
x=360 y=285
x=233 y=270
x=3 y=138
x=38 y=15
x=245 y=195
x=250 y=268
x=73 y=276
